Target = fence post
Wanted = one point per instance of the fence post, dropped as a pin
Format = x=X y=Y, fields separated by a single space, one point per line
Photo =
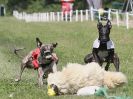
x=127 y=20
x=53 y=16
x=99 y=16
x=86 y=13
x=71 y=15
x=27 y=19
x=50 y=16
x=47 y=14
x=22 y=16
x=39 y=17
x=58 y=16
x=91 y=12
x=35 y=15
x=62 y=16
x=43 y=17
x=109 y=14
x=14 y=13
x=81 y=15
x=117 y=18
x=66 y=16
x=76 y=15
x=30 y=17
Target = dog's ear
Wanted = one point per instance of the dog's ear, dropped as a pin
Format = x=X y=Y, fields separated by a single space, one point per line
x=99 y=25
x=39 y=43
x=55 y=44
x=109 y=24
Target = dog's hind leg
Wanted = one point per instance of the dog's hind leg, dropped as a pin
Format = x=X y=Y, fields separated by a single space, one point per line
x=116 y=62
x=88 y=58
x=21 y=71
x=96 y=56
x=107 y=66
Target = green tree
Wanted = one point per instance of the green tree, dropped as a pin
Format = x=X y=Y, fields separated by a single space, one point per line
x=18 y=4
x=32 y=5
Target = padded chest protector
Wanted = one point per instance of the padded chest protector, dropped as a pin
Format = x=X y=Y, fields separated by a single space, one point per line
x=110 y=44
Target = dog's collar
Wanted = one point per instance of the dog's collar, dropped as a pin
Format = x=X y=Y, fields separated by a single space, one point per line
x=40 y=60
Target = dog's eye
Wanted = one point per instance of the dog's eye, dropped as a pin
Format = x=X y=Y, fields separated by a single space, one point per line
x=42 y=51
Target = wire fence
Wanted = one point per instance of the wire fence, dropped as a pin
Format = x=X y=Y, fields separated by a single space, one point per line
x=116 y=16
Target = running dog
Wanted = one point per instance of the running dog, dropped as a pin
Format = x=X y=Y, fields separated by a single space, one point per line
x=42 y=59
x=103 y=48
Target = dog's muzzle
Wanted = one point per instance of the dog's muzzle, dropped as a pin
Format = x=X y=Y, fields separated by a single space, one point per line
x=104 y=38
x=47 y=55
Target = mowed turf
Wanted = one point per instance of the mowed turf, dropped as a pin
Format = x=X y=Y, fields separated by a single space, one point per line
x=74 y=40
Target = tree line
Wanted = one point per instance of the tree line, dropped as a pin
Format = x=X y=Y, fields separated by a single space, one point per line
x=44 y=5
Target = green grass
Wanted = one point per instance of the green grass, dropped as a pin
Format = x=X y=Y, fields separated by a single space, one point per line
x=74 y=42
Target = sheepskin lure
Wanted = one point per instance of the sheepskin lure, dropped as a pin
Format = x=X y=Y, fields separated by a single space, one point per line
x=75 y=76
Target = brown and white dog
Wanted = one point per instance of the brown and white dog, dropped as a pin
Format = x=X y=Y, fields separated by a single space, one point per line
x=42 y=59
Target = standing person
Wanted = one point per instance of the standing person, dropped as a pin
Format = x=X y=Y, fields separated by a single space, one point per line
x=96 y=4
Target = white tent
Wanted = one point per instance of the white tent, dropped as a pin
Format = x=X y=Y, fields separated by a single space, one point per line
x=96 y=4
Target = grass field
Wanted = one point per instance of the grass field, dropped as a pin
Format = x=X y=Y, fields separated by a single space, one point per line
x=74 y=42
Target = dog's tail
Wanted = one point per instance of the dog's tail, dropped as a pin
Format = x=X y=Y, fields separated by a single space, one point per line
x=114 y=79
x=16 y=51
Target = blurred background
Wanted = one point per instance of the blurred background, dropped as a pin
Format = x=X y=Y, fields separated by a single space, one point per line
x=52 y=5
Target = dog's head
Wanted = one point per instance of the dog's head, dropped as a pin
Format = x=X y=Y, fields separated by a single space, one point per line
x=104 y=31
x=46 y=50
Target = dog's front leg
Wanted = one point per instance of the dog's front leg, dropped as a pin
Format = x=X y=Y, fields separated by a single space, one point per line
x=109 y=59
x=54 y=67
x=95 y=55
x=40 y=76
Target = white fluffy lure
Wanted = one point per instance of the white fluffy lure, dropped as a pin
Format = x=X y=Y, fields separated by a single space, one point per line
x=90 y=90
